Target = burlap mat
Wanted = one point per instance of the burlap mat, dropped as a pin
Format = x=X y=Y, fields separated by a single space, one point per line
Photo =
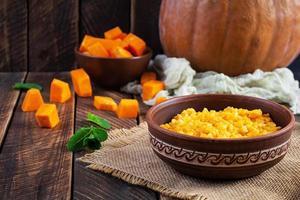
x=127 y=155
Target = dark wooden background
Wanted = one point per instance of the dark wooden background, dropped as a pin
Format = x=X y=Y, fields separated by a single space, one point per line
x=41 y=35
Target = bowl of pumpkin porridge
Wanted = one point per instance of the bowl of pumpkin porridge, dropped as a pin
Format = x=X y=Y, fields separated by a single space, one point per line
x=220 y=136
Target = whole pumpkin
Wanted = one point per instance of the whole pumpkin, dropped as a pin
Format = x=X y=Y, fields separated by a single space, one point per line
x=231 y=36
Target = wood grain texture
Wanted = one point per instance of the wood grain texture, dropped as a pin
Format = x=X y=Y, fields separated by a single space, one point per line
x=13 y=34
x=53 y=34
x=89 y=184
x=34 y=162
x=162 y=197
x=143 y=109
x=96 y=16
x=8 y=100
x=146 y=22
x=95 y=185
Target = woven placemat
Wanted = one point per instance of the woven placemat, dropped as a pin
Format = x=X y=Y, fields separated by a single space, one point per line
x=127 y=154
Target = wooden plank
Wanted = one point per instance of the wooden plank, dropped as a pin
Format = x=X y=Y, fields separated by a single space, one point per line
x=143 y=109
x=89 y=184
x=98 y=16
x=13 y=34
x=53 y=34
x=95 y=185
x=8 y=100
x=34 y=162
x=145 y=22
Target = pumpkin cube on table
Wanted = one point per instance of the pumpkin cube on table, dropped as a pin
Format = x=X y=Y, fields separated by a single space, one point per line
x=147 y=76
x=32 y=101
x=81 y=83
x=128 y=108
x=105 y=103
x=59 y=91
x=151 y=88
x=47 y=116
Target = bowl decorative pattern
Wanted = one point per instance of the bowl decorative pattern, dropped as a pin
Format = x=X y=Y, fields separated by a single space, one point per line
x=219 y=158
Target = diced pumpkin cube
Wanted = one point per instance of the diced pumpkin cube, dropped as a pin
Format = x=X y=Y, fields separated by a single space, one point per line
x=127 y=40
x=118 y=40
x=113 y=33
x=109 y=44
x=81 y=83
x=86 y=53
x=137 y=47
x=134 y=44
x=119 y=52
x=122 y=36
x=86 y=42
x=128 y=108
x=148 y=76
x=59 y=91
x=47 y=116
x=105 y=103
x=151 y=88
x=160 y=99
x=32 y=101
x=97 y=49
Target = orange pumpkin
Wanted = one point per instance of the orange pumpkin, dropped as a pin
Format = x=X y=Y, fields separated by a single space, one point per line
x=231 y=36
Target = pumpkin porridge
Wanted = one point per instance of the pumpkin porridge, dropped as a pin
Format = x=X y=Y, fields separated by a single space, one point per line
x=228 y=123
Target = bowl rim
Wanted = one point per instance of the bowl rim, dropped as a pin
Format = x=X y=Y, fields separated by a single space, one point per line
x=169 y=102
x=148 y=50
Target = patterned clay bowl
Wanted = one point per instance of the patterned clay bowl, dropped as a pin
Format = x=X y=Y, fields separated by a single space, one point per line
x=219 y=158
x=113 y=72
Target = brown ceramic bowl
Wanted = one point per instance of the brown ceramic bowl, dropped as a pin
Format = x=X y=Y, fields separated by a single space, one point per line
x=219 y=158
x=113 y=72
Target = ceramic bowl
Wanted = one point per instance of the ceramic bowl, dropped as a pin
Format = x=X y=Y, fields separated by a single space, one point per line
x=219 y=158
x=113 y=72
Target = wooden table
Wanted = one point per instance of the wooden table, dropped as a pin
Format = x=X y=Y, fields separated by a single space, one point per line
x=34 y=162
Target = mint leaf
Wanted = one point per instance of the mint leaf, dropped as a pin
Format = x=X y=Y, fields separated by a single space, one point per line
x=99 y=134
x=27 y=86
x=90 y=137
x=76 y=142
x=98 y=120
x=91 y=142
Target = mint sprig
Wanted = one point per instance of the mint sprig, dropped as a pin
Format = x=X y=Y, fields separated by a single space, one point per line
x=90 y=137
x=76 y=143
